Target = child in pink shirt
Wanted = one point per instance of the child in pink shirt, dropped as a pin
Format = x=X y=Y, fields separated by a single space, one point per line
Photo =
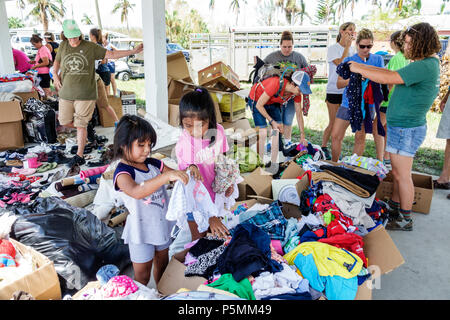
x=201 y=141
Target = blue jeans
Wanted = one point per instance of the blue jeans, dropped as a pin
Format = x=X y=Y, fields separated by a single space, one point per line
x=274 y=110
x=405 y=141
x=288 y=112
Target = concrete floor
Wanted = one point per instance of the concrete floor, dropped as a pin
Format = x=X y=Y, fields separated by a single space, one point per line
x=424 y=275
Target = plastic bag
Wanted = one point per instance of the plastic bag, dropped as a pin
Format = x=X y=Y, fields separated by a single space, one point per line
x=73 y=238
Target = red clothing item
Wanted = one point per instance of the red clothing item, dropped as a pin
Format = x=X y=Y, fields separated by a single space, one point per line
x=349 y=241
x=270 y=86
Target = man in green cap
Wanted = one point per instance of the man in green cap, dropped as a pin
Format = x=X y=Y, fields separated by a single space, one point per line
x=74 y=79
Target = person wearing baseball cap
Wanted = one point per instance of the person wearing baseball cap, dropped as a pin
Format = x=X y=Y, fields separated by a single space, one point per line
x=74 y=79
x=266 y=100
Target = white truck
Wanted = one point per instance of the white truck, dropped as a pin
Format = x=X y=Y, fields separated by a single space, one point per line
x=238 y=46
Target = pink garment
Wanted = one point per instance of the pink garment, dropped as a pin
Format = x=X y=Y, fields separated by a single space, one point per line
x=43 y=52
x=92 y=172
x=21 y=61
x=190 y=150
x=119 y=286
x=276 y=244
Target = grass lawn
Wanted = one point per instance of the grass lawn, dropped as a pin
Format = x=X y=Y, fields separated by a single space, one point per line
x=429 y=159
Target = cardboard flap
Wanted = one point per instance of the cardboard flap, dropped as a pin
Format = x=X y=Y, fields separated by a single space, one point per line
x=10 y=111
x=261 y=182
x=364 y=291
x=292 y=171
x=382 y=251
x=177 y=67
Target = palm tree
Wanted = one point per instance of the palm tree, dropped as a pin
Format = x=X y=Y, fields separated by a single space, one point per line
x=124 y=6
x=43 y=9
x=86 y=19
x=292 y=9
x=235 y=5
x=326 y=12
x=97 y=10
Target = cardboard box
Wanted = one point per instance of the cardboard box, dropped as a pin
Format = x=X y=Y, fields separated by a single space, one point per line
x=11 y=125
x=258 y=183
x=27 y=95
x=231 y=104
x=105 y=118
x=423 y=191
x=177 y=88
x=42 y=283
x=177 y=67
x=129 y=105
x=240 y=132
x=219 y=76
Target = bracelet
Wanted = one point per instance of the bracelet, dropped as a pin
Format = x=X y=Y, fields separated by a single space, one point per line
x=270 y=122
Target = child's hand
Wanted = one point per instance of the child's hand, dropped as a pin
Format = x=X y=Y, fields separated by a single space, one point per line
x=217 y=228
x=195 y=173
x=229 y=191
x=174 y=175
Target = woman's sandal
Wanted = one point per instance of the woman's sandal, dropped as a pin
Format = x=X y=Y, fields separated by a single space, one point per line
x=438 y=185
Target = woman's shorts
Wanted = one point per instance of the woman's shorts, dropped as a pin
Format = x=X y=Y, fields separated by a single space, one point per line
x=444 y=125
x=79 y=112
x=112 y=67
x=142 y=253
x=405 y=141
x=45 y=80
x=343 y=113
x=334 y=98
x=274 y=110
x=106 y=77
x=288 y=113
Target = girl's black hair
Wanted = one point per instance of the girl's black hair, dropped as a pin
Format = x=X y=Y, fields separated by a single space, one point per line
x=199 y=104
x=129 y=129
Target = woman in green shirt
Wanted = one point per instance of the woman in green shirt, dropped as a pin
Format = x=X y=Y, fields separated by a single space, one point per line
x=416 y=87
x=398 y=61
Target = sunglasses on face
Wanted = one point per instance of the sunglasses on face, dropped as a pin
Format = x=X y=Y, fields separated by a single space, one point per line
x=369 y=46
x=411 y=29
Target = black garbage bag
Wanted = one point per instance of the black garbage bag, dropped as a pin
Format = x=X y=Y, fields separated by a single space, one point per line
x=73 y=238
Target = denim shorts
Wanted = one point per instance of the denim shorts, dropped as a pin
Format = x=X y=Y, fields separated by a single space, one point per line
x=288 y=112
x=405 y=141
x=274 y=110
x=145 y=252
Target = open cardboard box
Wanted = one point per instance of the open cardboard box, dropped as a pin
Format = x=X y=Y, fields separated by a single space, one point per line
x=11 y=117
x=423 y=191
x=382 y=254
x=177 y=67
x=106 y=120
x=42 y=283
x=240 y=132
x=257 y=183
x=231 y=104
x=220 y=76
x=27 y=95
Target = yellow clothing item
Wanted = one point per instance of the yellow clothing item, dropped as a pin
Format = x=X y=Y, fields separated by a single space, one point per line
x=329 y=260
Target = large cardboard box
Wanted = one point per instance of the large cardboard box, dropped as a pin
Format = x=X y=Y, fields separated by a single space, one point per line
x=105 y=118
x=27 y=95
x=11 y=125
x=42 y=283
x=231 y=104
x=177 y=88
x=219 y=76
x=240 y=133
x=423 y=191
x=257 y=183
x=177 y=67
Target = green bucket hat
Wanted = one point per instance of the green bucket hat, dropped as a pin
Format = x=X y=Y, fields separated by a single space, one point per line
x=71 y=29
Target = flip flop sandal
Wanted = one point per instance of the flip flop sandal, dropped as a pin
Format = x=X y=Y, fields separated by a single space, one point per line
x=58 y=175
x=438 y=185
x=43 y=168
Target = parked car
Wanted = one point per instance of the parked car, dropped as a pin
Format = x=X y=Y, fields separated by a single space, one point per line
x=130 y=67
x=175 y=47
x=22 y=42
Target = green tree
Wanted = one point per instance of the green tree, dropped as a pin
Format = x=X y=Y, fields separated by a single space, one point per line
x=179 y=27
x=293 y=9
x=325 y=12
x=86 y=19
x=124 y=6
x=45 y=9
x=14 y=23
x=235 y=5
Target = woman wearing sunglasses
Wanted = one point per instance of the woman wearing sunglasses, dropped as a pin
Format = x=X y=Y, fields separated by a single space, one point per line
x=416 y=87
x=364 y=43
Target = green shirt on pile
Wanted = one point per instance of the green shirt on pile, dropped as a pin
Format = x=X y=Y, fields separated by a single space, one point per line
x=78 y=70
x=397 y=62
x=411 y=101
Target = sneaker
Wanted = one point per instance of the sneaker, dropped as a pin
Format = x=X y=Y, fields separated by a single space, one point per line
x=76 y=160
x=288 y=144
x=403 y=225
x=327 y=153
